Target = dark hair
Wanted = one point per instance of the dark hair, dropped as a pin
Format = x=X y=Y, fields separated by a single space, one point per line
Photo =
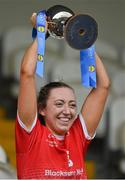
x=44 y=95
x=45 y=92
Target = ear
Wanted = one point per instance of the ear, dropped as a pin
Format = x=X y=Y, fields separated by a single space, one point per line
x=41 y=109
x=42 y=112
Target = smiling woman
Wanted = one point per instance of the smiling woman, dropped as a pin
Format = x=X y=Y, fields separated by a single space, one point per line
x=60 y=109
x=57 y=149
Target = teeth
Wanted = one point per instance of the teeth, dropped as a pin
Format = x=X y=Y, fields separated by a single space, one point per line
x=64 y=119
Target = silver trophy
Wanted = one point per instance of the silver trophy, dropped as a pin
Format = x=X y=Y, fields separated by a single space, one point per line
x=80 y=31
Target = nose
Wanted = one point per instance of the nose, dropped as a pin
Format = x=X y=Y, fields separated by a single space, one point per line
x=66 y=110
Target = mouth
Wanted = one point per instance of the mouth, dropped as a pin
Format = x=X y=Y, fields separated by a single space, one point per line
x=64 y=120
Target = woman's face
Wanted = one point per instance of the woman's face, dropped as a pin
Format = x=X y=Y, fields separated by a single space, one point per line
x=60 y=111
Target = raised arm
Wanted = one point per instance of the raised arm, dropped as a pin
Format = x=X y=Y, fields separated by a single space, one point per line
x=93 y=106
x=27 y=98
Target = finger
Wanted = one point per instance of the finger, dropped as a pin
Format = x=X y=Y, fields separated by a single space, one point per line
x=33 y=19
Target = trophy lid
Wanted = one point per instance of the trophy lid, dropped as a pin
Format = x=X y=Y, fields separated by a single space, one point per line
x=81 y=31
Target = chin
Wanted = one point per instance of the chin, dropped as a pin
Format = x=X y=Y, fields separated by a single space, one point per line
x=63 y=131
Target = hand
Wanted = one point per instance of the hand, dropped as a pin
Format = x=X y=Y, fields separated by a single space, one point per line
x=33 y=20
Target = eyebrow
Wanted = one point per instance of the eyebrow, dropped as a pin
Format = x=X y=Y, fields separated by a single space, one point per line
x=64 y=101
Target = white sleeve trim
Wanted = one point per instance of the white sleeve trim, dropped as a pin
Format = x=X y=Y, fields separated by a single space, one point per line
x=23 y=125
x=87 y=136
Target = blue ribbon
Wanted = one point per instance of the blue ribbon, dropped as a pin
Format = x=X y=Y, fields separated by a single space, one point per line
x=88 y=67
x=40 y=33
x=34 y=33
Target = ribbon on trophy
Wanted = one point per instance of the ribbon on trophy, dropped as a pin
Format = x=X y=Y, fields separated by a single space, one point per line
x=81 y=33
x=88 y=67
x=40 y=33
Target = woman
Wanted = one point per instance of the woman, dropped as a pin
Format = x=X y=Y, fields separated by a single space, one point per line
x=57 y=149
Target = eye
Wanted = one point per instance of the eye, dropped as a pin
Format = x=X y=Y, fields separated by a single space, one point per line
x=59 y=104
x=73 y=105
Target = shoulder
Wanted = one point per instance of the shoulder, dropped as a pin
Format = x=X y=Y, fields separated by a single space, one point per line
x=79 y=127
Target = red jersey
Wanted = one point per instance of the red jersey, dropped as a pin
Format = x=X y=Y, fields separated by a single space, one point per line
x=40 y=155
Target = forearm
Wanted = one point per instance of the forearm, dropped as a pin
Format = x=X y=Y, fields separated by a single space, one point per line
x=102 y=76
x=93 y=106
x=28 y=65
